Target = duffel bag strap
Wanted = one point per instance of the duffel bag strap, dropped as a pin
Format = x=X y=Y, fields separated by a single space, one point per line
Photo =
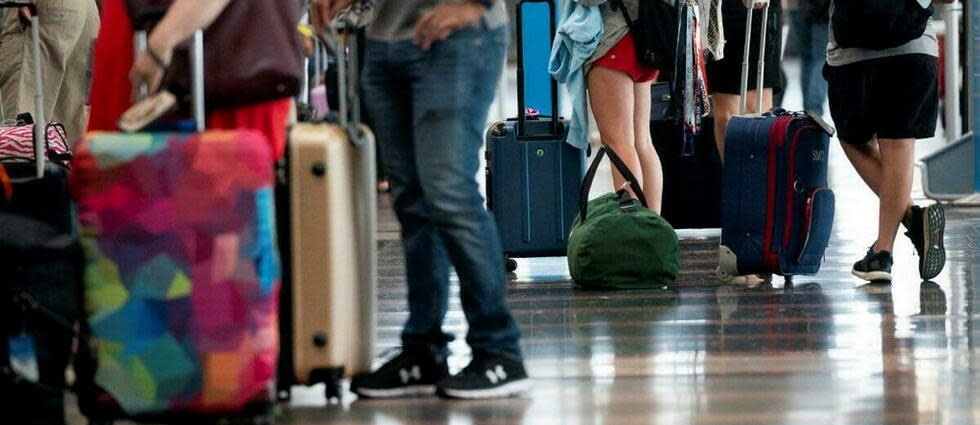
x=617 y=162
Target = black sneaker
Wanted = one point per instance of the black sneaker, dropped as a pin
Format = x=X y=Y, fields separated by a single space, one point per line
x=925 y=228
x=874 y=267
x=487 y=376
x=409 y=374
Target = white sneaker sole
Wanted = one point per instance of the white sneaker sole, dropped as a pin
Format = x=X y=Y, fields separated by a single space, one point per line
x=510 y=389
x=873 y=276
x=400 y=392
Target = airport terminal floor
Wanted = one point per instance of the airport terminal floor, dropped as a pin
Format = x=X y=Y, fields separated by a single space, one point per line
x=824 y=350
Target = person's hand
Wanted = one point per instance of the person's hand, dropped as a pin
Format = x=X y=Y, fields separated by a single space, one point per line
x=25 y=13
x=445 y=19
x=149 y=70
x=323 y=11
x=756 y=4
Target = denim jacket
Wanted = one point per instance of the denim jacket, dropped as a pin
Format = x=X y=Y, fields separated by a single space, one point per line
x=579 y=35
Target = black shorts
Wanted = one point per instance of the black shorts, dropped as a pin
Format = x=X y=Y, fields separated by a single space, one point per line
x=725 y=76
x=893 y=98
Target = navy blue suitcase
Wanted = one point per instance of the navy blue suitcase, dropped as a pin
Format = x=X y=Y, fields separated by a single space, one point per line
x=533 y=176
x=777 y=211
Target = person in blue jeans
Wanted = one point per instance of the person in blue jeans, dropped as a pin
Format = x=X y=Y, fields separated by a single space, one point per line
x=809 y=22
x=429 y=78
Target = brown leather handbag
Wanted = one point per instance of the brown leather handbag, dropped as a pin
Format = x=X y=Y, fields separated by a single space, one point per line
x=252 y=52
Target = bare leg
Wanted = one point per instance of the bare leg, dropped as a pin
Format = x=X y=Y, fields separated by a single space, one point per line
x=867 y=161
x=726 y=107
x=653 y=175
x=611 y=96
x=894 y=189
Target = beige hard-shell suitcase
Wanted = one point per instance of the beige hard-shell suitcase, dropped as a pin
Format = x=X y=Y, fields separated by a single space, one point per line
x=328 y=249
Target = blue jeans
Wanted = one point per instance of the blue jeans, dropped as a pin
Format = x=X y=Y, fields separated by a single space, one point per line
x=813 y=37
x=430 y=110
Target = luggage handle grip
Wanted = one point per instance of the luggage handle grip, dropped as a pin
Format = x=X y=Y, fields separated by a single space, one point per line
x=743 y=101
x=521 y=103
x=140 y=41
x=619 y=165
x=40 y=122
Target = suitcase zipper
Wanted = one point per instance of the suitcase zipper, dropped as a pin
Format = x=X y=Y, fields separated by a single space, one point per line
x=777 y=138
x=808 y=219
x=791 y=184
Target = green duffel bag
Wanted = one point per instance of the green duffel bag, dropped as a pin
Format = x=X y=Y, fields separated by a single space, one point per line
x=617 y=242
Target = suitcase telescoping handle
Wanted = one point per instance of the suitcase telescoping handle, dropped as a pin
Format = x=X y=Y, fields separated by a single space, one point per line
x=40 y=120
x=521 y=102
x=140 y=42
x=744 y=102
x=343 y=42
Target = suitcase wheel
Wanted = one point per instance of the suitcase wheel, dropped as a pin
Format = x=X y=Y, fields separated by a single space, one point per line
x=511 y=265
x=727 y=265
x=723 y=276
x=330 y=377
x=332 y=390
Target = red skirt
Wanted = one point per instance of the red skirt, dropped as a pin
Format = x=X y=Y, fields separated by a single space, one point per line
x=622 y=57
x=110 y=96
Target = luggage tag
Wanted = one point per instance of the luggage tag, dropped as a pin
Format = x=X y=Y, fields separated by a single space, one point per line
x=22 y=350
x=23 y=357
x=827 y=128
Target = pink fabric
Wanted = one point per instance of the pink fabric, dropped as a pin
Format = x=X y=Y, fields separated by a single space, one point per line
x=18 y=142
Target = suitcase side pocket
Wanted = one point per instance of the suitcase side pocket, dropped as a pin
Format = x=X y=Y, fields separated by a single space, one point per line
x=818 y=222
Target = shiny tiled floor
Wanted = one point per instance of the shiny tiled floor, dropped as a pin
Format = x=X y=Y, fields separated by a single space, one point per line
x=825 y=350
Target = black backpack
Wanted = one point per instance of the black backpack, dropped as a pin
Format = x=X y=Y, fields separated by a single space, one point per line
x=655 y=33
x=878 y=24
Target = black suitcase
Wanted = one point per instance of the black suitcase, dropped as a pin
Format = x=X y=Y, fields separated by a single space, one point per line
x=692 y=180
x=40 y=271
x=40 y=295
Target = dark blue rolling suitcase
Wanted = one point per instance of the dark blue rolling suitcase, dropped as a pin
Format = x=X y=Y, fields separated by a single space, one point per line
x=777 y=211
x=533 y=175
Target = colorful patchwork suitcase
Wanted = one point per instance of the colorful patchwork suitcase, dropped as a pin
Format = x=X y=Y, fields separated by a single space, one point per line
x=777 y=211
x=543 y=174
x=327 y=203
x=181 y=272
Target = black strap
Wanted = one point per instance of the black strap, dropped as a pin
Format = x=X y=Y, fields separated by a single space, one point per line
x=626 y=14
x=617 y=162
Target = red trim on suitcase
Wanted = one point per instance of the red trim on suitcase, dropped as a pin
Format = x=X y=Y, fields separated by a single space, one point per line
x=8 y=188
x=777 y=137
x=808 y=218
x=791 y=185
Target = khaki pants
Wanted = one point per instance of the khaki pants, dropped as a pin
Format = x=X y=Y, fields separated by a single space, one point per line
x=68 y=31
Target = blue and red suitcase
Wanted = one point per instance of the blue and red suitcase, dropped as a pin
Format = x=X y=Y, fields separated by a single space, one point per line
x=533 y=176
x=777 y=211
